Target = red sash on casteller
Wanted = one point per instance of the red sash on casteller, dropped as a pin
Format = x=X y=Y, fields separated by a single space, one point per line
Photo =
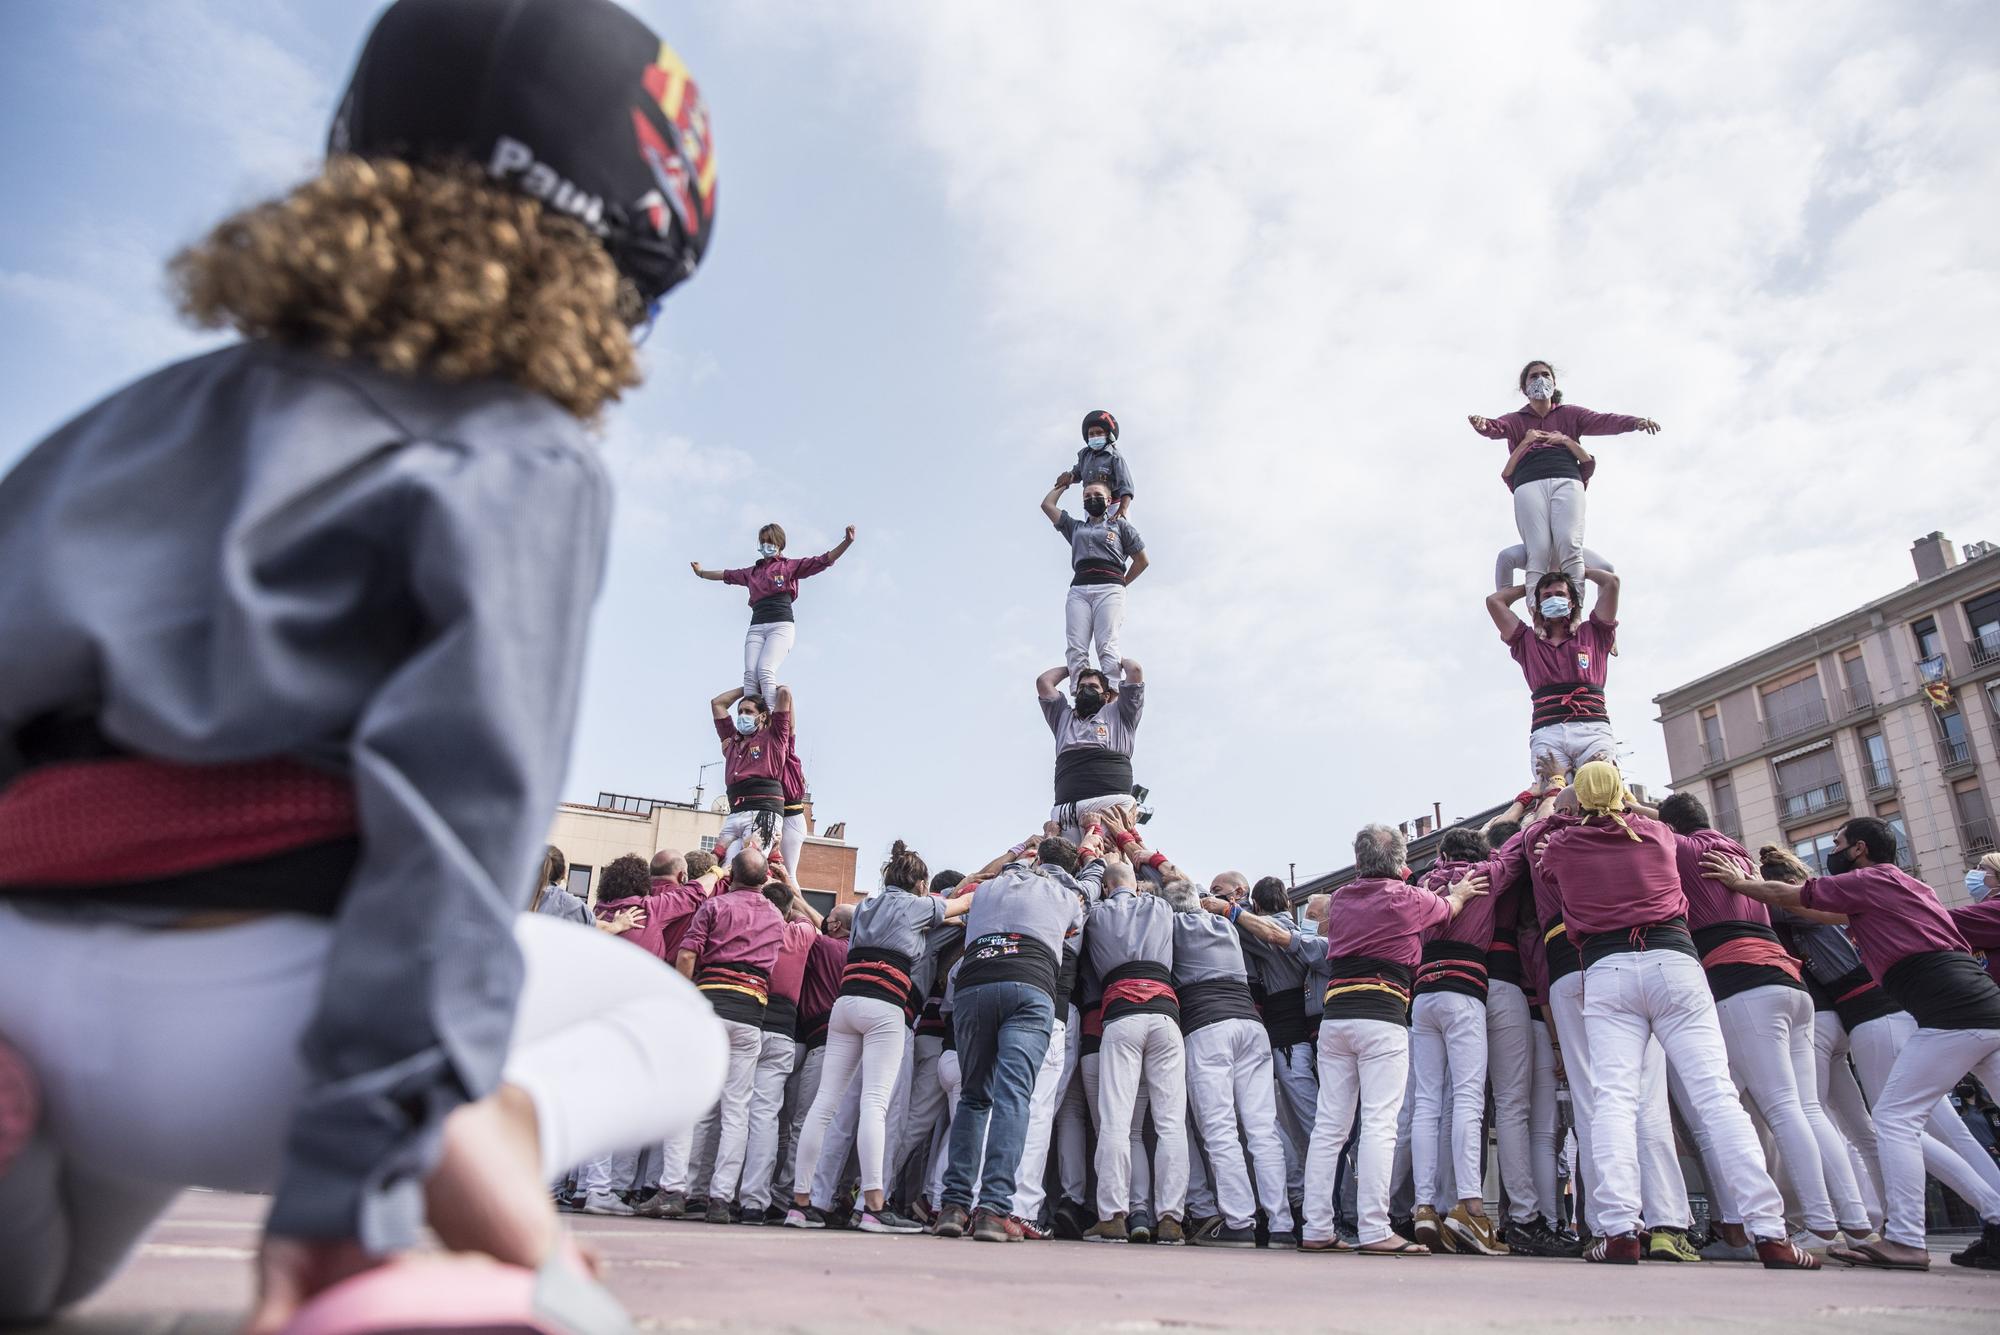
x=132 y=819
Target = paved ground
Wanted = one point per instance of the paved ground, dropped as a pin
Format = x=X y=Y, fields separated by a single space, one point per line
x=192 y=1277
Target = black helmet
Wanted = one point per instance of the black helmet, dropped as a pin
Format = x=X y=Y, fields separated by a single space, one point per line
x=574 y=102
x=1100 y=418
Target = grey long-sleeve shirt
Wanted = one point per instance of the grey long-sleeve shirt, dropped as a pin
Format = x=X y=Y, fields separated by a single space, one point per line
x=263 y=552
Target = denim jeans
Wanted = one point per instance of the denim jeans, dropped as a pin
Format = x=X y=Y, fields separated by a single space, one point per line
x=1003 y=1034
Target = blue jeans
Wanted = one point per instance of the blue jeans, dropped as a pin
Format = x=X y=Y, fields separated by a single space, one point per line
x=1003 y=1033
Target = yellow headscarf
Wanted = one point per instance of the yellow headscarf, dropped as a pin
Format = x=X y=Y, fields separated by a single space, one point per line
x=1600 y=790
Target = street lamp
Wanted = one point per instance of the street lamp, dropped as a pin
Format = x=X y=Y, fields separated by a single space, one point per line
x=698 y=781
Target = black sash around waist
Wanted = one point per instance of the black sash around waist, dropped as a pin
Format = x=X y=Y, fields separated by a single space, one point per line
x=757 y=795
x=1452 y=966
x=1008 y=957
x=1568 y=702
x=1670 y=934
x=1213 y=1000
x=1945 y=989
x=1362 y=987
x=1091 y=771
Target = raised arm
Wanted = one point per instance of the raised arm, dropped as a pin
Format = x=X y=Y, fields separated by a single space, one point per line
x=1488 y=427
x=1778 y=894
x=788 y=707
x=1500 y=606
x=791 y=883
x=1138 y=567
x=720 y=706
x=1265 y=929
x=708 y=574
x=1607 y=595
x=812 y=565
x=1589 y=423
x=1049 y=502
x=1045 y=685
x=1129 y=670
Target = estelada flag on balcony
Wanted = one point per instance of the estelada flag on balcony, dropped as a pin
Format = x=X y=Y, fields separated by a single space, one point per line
x=1937 y=684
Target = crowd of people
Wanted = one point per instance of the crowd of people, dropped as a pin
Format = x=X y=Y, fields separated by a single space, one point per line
x=286 y=698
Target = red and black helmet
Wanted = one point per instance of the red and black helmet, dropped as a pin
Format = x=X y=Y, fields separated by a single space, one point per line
x=574 y=102
x=1100 y=418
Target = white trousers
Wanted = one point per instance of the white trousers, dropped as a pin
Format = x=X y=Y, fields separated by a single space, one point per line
x=1663 y=1191
x=1549 y=516
x=1139 y=1194
x=952 y=1082
x=1512 y=561
x=1768 y=1032
x=1073 y=1117
x=736 y=828
x=725 y=1131
x=1293 y=1068
x=917 y=1128
x=775 y=1056
x=764 y=650
x=1362 y=1063
x=170 y=1059
x=1544 y=1120
x=1448 y=1060
x=1840 y=1096
x=1142 y=1048
x=792 y=838
x=1564 y=748
x=1029 y=1179
x=1931 y=1062
x=1951 y=1154
x=1634 y=996
x=1094 y=613
x=865 y=1034
x=1230 y=1087
x=1510 y=1065
x=807 y=1063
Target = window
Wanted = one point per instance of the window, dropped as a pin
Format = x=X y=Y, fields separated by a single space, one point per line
x=579 y=882
x=1906 y=856
x=1975 y=823
x=1930 y=644
x=821 y=900
x=1723 y=794
x=1875 y=755
x=1810 y=781
x=1711 y=738
x=1854 y=674
x=1956 y=746
x=1983 y=615
x=1794 y=707
x=1812 y=851
x=708 y=843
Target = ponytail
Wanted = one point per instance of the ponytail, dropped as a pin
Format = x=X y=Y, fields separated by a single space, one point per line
x=905 y=869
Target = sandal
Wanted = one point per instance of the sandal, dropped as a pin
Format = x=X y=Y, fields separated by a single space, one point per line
x=1866 y=1255
x=1400 y=1249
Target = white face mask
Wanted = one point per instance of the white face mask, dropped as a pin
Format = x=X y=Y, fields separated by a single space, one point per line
x=745 y=723
x=1541 y=387
x=767 y=549
x=1555 y=609
x=1977 y=884
x=1097 y=442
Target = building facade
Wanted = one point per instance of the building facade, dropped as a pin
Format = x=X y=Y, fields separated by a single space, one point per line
x=1891 y=710
x=593 y=834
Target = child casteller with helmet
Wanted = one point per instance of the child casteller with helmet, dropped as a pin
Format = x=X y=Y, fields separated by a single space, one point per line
x=290 y=685
x=1100 y=461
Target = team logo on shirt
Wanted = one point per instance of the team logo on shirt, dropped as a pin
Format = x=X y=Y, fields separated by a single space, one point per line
x=1103 y=734
x=1583 y=660
x=778 y=580
x=757 y=752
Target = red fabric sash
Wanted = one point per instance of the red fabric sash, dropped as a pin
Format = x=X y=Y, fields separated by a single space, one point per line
x=1139 y=991
x=1751 y=950
x=107 y=822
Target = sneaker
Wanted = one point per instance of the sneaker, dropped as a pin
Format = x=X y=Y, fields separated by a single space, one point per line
x=1282 y=1240
x=1621 y=1250
x=1670 y=1244
x=751 y=1216
x=988 y=1226
x=567 y=1204
x=719 y=1212
x=921 y=1211
x=1984 y=1253
x=1784 y=1254
x=1472 y=1233
x=1200 y=1226
x=1531 y=1237
x=1109 y=1230
x=1222 y=1235
x=662 y=1205
x=886 y=1220
x=805 y=1216
x=1724 y=1250
x=1403 y=1227
x=1031 y=1230
x=603 y=1202
x=951 y=1222
x=1071 y=1220
x=775 y=1213
x=1811 y=1243
x=1424 y=1228
x=1169 y=1233
x=1139 y=1227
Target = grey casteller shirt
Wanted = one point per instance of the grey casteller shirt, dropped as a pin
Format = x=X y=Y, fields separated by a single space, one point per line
x=262 y=552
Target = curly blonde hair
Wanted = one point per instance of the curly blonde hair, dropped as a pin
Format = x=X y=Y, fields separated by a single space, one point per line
x=431 y=271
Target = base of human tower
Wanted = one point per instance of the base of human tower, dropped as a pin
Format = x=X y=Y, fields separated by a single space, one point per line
x=193 y=1276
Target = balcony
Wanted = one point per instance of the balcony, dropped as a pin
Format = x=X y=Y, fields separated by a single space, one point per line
x=1791 y=722
x=1857 y=702
x=1955 y=753
x=1713 y=753
x=1985 y=648
x=1881 y=779
x=1977 y=836
x=1812 y=803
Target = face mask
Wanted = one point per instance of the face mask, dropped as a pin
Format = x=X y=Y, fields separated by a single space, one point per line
x=1094 y=506
x=745 y=723
x=1839 y=862
x=1089 y=700
x=1976 y=885
x=1097 y=442
x=1555 y=608
x=1541 y=387
x=767 y=549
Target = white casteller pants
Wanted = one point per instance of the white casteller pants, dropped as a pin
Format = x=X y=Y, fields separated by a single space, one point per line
x=1548 y=514
x=1094 y=614
x=764 y=650
x=170 y=1059
x=775 y=1055
x=1448 y=1061
x=1362 y=1063
x=865 y=1034
x=1634 y=996
x=736 y=828
x=1510 y=1065
x=1544 y=1120
x=952 y=1082
x=1840 y=1096
x=1073 y=1117
x=807 y=1063
x=1951 y=1154
x=1663 y=1190
x=1230 y=1086
x=914 y=1131
x=1139 y=1194
x=1768 y=1033
x=1142 y=1049
x=1931 y=1062
x=1029 y=1189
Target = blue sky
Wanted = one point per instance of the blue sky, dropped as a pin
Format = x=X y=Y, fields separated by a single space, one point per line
x=1291 y=246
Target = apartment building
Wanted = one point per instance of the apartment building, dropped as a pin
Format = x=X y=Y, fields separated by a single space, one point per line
x=1891 y=710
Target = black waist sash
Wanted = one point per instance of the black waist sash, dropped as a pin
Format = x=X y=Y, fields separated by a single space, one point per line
x=1669 y=934
x=1285 y=1016
x=1008 y=957
x=1452 y=966
x=1559 y=950
x=1945 y=989
x=882 y=975
x=1135 y=989
x=1361 y=987
x=1568 y=702
x=757 y=795
x=738 y=992
x=1091 y=771
x=1214 y=1000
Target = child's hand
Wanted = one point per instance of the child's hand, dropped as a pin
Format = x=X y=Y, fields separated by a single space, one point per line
x=1065 y=478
